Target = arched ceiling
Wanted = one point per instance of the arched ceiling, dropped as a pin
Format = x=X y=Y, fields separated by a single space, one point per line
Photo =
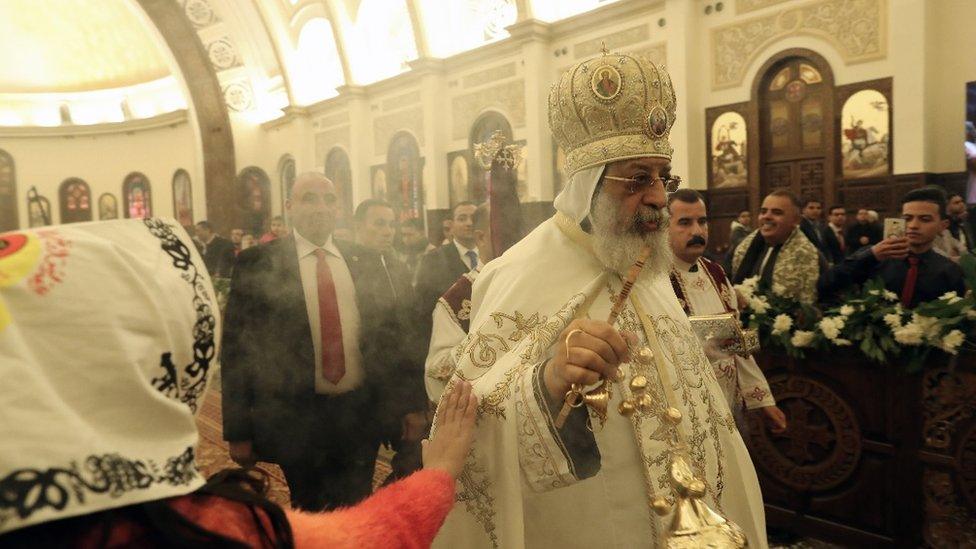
x=75 y=45
x=99 y=58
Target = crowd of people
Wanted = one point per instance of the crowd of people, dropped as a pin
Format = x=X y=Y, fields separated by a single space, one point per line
x=331 y=347
x=814 y=260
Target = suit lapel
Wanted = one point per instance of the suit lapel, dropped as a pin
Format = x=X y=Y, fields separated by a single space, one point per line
x=455 y=260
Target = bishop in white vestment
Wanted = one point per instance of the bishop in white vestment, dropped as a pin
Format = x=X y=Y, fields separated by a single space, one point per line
x=538 y=324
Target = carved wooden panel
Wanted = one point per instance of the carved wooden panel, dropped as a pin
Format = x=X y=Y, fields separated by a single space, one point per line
x=779 y=176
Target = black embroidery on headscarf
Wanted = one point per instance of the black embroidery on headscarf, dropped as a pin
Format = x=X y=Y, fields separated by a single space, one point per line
x=26 y=491
x=190 y=387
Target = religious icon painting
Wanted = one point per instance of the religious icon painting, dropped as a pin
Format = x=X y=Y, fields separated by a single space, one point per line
x=605 y=82
x=657 y=122
x=182 y=198
x=108 y=207
x=729 y=163
x=378 y=183
x=865 y=135
x=796 y=91
x=458 y=177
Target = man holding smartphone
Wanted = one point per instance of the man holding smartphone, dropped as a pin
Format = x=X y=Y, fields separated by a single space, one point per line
x=907 y=264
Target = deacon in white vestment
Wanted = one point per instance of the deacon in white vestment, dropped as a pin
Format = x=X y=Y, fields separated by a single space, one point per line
x=702 y=288
x=538 y=325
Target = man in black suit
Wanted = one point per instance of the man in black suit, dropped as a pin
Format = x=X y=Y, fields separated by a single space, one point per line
x=441 y=267
x=960 y=225
x=862 y=233
x=374 y=221
x=833 y=234
x=907 y=264
x=810 y=223
x=312 y=356
x=217 y=251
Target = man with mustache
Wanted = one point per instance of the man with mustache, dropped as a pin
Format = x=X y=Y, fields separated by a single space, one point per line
x=600 y=472
x=703 y=289
x=778 y=252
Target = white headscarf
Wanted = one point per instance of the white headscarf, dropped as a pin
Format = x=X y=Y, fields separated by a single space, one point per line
x=107 y=333
x=575 y=198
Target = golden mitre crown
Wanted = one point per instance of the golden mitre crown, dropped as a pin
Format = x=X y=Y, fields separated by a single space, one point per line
x=612 y=107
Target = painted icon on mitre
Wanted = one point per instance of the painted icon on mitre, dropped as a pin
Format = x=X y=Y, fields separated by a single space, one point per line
x=657 y=122
x=605 y=82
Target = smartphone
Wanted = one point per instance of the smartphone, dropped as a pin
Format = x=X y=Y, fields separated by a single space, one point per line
x=894 y=226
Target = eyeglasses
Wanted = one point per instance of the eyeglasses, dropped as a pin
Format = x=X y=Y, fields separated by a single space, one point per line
x=642 y=183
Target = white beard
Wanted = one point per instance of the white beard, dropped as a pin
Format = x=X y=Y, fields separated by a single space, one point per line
x=618 y=248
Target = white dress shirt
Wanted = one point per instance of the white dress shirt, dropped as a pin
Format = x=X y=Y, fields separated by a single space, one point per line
x=464 y=258
x=348 y=313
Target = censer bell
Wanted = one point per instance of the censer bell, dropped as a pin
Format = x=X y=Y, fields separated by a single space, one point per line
x=695 y=524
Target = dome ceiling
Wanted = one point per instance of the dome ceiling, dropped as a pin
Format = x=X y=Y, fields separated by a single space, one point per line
x=74 y=46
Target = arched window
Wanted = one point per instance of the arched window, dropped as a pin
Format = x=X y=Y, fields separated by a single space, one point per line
x=316 y=69
x=481 y=131
x=404 y=169
x=454 y=27
x=136 y=196
x=286 y=176
x=182 y=198
x=254 y=199
x=339 y=171
x=108 y=206
x=8 y=193
x=74 y=196
x=384 y=37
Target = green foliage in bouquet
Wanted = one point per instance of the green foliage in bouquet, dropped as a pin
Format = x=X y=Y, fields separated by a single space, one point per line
x=872 y=318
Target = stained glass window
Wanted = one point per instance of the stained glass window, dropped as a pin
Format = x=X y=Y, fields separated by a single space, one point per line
x=136 y=196
x=75 y=198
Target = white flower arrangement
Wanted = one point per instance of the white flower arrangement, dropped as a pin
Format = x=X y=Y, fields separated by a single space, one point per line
x=803 y=338
x=782 y=324
x=831 y=326
x=950 y=297
x=909 y=334
x=846 y=310
x=893 y=320
x=951 y=341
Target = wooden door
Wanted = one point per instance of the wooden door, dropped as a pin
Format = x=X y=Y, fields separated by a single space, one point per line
x=795 y=107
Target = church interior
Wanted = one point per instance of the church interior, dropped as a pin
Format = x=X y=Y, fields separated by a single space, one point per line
x=209 y=110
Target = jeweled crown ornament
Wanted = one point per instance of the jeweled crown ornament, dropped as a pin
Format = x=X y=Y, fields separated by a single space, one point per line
x=612 y=107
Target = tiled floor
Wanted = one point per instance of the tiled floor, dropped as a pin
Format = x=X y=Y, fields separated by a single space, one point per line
x=213 y=456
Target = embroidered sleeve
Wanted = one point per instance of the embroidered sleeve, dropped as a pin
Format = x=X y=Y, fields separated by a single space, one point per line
x=550 y=457
x=753 y=385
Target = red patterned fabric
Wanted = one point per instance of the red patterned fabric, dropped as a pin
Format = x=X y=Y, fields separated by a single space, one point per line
x=458 y=300
x=407 y=514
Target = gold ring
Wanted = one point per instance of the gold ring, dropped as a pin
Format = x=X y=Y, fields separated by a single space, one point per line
x=569 y=335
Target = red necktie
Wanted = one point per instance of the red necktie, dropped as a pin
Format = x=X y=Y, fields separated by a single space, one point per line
x=840 y=239
x=908 y=289
x=330 y=328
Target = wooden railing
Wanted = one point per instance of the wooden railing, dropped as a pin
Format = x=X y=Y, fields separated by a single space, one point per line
x=872 y=457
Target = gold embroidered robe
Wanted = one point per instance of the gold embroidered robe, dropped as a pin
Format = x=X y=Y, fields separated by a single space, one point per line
x=527 y=484
x=741 y=379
